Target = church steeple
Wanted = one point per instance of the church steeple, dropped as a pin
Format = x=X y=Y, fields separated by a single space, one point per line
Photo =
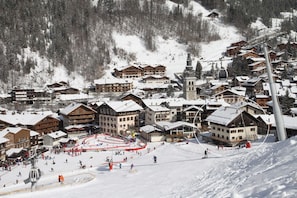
x=189 y=62
x=189 y=79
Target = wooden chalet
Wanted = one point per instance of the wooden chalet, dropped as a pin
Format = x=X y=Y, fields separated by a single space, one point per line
x=239 y=80
x=156 y=79
x=153 y=70
x=135 y=98
x=233 y=51
x=18 y=137
x=128 y=72
x=218 y=88
x=76 y=114
x=249 y=54
x=239 y=43
x=262 y=100
x=134 y=71
x=39 y=122
x=230 y=96
x=255 y=63
x=253 y=86
x=113 y=85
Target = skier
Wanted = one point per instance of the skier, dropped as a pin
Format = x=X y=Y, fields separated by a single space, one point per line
x=155 y=159
x=132 y=165
x=206 y=153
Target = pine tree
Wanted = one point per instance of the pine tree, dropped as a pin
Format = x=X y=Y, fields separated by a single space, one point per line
x=198 y=70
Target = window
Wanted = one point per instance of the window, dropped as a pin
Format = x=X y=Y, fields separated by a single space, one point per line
x=240 y=130
x=253 y=129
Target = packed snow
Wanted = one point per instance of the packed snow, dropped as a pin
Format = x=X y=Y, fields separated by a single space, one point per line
x=267 y=169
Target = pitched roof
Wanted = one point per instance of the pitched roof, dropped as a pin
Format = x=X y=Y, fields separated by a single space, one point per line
x=57 y=134
x=224 y=115
x=3 y=140
x=173 y=125
x=149 y=129
x=124 y=106
x=23 y=118
x=158 y=108
x=73 y=106
x=7 y=130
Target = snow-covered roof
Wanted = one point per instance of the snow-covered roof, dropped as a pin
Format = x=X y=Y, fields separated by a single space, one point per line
x=56 y=134
x=157 y=101
x=24 y=118
x=149 y=129
x=11 y=151
x=172 y=125
x=124 y=106
x=158 y=108
x=7 y=130
x=193 y=107
x=33 y=133
x=73 y=106
x=224 y=115
x=241 y=104
x=3 y=140
x=104 y=81
x=242 y=78
x=79 y=96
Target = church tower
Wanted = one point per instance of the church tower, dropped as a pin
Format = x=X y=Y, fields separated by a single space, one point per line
x=189 y=80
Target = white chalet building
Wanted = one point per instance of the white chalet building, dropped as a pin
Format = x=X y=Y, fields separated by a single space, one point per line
x=230 y=125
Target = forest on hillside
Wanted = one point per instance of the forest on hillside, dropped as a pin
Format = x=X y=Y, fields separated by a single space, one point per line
x=78 y=34
x=242 y=12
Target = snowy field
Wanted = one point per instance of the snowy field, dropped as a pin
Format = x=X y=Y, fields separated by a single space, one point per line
x=265 y=170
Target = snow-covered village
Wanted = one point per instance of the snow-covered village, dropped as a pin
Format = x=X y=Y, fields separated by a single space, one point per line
x=170 y=123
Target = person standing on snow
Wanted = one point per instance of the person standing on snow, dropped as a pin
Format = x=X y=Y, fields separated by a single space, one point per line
x=206 y=153
x=155 y=159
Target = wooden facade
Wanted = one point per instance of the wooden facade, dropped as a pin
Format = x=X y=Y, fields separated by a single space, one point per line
x=129 y=72
x=139 y=71
x=114 y=87
x=46 y=125
x=18 y=137
x=76 y=114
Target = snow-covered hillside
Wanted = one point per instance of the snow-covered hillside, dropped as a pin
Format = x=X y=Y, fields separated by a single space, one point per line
x=169 y=53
